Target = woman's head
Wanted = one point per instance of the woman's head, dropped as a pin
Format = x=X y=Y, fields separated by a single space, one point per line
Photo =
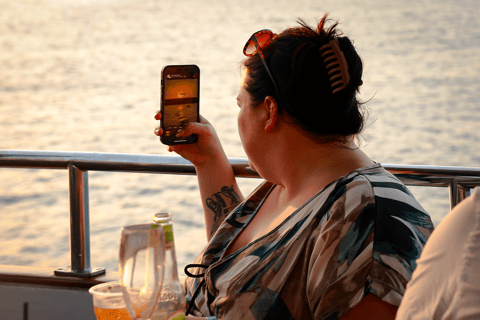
x=305 y=91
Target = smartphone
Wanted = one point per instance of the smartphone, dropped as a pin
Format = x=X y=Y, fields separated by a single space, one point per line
x=179 y=101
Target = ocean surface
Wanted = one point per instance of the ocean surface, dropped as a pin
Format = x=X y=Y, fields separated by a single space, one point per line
x=84 y=76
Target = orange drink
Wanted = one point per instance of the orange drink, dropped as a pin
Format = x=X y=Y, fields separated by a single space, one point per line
x=108 y=302
x=111 y=314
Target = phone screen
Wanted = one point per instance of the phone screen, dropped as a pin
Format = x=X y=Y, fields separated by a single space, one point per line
x=180 y=101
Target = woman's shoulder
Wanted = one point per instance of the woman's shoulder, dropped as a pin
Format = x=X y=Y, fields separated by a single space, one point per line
x=388 y=200
x=374 y=175
x=363 y=183
x=354 y=192
x=369 y=177
x=389 y=192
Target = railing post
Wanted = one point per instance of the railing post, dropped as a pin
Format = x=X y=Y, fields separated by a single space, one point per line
x=79 y=227
x=457 y=193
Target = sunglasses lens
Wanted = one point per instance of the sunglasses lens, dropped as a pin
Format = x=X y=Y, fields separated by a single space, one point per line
x=250 y=48
x=262 y=38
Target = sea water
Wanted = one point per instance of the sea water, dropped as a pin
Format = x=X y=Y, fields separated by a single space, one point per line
x=84 y=76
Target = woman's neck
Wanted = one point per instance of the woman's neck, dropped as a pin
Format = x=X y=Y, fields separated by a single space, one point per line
x=307 y=166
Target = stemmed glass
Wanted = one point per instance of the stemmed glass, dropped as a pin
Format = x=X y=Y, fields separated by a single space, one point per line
x=141 y=267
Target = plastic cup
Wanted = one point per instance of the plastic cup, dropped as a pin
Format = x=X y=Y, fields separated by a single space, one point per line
x=108 y=302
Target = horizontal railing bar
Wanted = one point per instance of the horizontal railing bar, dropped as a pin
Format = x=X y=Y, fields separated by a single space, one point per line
x=414 y=175
x=118 y=162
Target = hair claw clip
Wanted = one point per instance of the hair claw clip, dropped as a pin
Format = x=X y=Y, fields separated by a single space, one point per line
x=336 y=65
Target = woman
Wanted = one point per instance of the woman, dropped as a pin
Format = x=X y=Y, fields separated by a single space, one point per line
x=329 y=234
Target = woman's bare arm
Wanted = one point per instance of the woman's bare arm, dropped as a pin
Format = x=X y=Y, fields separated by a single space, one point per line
x=219 y=193
x=219 y=190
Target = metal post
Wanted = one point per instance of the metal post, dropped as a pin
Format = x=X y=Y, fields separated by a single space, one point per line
x=79 y=227
x=457 y=193
x=453 y=192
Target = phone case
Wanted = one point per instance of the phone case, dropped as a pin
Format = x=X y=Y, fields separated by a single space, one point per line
x=179 y=101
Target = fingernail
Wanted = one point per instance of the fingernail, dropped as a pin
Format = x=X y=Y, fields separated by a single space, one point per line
x=179 y=133
x=156 y=131
x=169 y=148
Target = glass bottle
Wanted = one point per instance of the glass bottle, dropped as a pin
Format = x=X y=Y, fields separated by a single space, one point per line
x=171 y=303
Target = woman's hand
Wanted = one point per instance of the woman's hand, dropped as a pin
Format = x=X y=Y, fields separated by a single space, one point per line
x=207 y=149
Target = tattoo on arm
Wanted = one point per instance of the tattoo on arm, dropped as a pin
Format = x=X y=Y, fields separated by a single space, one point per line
x=220 y=199
x=229 y=192
x=219 y=206
x=215 y=207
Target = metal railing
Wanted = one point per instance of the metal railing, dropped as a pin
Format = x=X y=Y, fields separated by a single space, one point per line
x=458 y=179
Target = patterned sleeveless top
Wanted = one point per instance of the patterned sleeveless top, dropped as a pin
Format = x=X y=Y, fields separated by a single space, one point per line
x=359 y=235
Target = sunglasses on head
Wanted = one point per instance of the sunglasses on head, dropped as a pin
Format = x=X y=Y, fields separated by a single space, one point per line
x=257 y=41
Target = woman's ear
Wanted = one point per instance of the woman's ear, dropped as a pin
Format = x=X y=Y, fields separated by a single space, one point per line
x=273 y=117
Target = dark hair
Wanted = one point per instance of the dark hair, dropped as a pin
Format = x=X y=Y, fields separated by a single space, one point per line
x=305 y=91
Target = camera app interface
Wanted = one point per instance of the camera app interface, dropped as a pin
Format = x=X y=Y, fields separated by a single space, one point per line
x=181 y=103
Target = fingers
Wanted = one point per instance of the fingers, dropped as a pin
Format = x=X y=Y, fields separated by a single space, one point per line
x=197 y=128
x=158 y=131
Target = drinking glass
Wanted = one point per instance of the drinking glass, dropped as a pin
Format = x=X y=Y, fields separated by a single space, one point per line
x=108 y=302
x=141 y=268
